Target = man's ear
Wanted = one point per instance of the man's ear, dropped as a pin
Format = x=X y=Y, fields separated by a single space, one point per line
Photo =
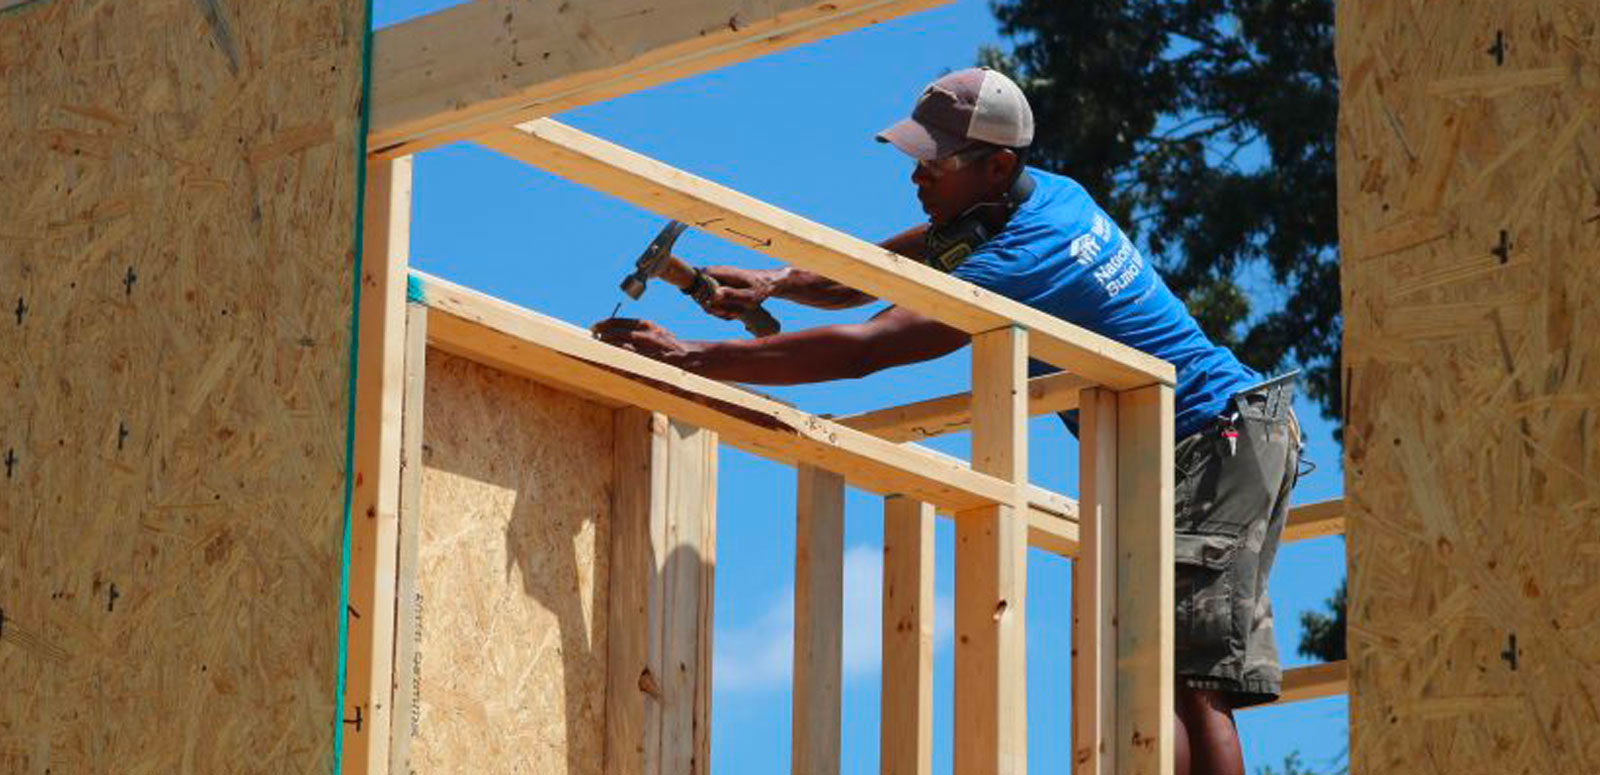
x=1001 y=165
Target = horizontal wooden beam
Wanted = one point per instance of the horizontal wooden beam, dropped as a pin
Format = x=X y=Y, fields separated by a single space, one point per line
x=1313 y=682
x=1314 y=520
x=948 y=414
x=1052 y=522
x=451 y=74
x=519 y=341
x=749 y=222
x=1052 y=517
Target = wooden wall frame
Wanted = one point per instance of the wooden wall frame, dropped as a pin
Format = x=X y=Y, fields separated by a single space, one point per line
x=435 y=81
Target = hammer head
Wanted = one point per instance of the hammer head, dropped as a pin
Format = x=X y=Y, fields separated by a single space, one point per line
x=650 y=261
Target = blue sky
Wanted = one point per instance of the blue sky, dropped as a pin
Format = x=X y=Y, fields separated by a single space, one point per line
x=795 y=129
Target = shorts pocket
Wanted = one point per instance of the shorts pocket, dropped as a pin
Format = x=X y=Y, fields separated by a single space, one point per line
x=1194 y=486
x=1212 y=552
x=1204 y=597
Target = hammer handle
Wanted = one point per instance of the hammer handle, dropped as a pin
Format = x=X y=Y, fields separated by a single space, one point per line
x=757 y=320
x=702 y=286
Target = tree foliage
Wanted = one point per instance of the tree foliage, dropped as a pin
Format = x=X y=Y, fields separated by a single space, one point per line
x=1322 y=634
x=1293 y=766
x=1206 y=127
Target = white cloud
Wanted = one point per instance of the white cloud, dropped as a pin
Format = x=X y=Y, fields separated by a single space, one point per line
x=758 y=655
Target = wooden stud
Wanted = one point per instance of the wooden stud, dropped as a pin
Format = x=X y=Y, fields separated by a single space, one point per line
x=948 y=414
x=818 y=621
x=638 y=516
x=991 y=569
x=374 y=509
x=706 y=453
x=1314 y=520
x=407 y=670
x=906 y=728
x=1313 y=681
x=1144 y=586
x=663 y=554
x=686 y=573
x=748 y=222
x=1052 y=517
x=1094 y=588
x=445 y=76
x=631 y=680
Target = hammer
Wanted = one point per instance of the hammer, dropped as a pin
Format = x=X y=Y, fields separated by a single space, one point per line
x=658 y=261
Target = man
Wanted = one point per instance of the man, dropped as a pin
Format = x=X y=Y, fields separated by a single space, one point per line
x=1040 y=239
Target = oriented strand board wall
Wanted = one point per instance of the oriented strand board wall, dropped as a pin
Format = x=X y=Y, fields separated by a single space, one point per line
x=512 y=575
x=178 y=180
x=1473 y=370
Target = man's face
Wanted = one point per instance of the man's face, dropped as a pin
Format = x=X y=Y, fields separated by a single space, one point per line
x=950 y=186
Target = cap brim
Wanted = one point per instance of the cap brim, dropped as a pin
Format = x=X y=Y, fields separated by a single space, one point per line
x=920 y=141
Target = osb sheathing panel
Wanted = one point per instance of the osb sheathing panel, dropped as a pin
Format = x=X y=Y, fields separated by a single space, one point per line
x=512 y=575
x=178 y=181
x=1473 y=369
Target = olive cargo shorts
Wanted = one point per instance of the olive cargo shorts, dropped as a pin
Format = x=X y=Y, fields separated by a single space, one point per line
x=1230 y=502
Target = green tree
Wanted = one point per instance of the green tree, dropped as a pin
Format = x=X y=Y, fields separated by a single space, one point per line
x=1206 y=127
x=1293 y=766
x=1322 y=634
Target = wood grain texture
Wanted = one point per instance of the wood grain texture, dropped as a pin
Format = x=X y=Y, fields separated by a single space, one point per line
x=1472 y=470
x=512 y=578
x=663 y=556
x=1094 y=589
x=375 y=498
x=1145 y=596
x=532 y=345
x=1047 y=394
x=906 y=700
x=1315 y=520
x=406 y=717
x=487 y=63
x=818 y=621
x=685 y=617
x=991 y=573
x=1315 y=681
x=749 y=222
x=176 y=272
x=638 y=530
x=525 y=343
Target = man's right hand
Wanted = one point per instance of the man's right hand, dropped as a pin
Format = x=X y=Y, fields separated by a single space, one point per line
x=742 y=290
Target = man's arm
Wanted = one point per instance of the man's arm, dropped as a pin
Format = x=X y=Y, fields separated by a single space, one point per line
x=747 y=288
x=894 y=337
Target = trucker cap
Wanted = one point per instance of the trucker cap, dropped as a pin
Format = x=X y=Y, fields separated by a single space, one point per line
x=972 y=105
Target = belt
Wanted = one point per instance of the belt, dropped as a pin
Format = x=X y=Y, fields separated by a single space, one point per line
x=1279 y=392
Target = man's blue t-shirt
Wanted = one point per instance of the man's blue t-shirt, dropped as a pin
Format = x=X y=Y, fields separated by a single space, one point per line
x=1061 y=254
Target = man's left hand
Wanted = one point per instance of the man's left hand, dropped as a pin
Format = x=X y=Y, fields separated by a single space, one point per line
x=643 y=337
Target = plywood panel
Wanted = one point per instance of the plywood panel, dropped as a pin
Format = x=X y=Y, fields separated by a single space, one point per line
x=178 y=181
x=1473 y=371
x=512 y=575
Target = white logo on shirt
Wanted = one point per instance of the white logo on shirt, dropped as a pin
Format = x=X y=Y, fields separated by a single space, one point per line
x=1086 y=248
x=1119 y=272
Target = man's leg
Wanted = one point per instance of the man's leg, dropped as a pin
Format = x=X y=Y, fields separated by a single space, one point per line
x=1230 y=505
x=1208 y=740
x=1180 y=739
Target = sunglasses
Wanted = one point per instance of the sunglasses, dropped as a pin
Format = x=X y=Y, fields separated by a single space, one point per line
x=938 y=168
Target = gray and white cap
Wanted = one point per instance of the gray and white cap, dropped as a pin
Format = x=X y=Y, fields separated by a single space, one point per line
x=967 y=106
